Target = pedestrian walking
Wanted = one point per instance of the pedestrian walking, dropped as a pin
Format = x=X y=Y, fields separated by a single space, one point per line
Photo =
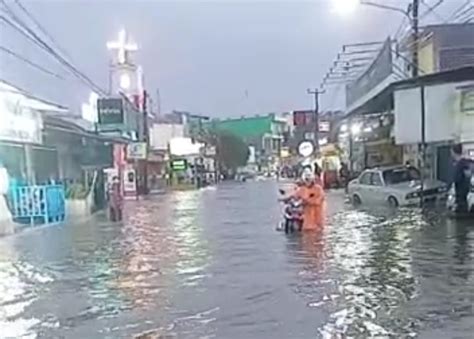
x=115 y=200
x=462 y=174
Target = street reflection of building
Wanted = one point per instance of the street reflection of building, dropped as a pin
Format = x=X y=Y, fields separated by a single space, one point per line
x=165 y=254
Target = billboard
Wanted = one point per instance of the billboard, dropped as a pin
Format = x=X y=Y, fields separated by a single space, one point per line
x=377 y=72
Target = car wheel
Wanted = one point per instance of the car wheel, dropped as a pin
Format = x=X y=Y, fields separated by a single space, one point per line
x=392 y=202
x=356 y=200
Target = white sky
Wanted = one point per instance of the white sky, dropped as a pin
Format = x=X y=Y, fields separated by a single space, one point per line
x=203 y=55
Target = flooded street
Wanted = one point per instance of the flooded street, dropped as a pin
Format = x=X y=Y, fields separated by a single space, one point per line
x=209 y=264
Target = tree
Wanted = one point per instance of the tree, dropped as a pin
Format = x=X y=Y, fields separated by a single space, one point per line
x=232 y=152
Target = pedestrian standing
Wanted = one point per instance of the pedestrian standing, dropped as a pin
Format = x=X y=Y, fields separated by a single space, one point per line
x=344 y=175
x=312 y=195
x=115 y=200
x=461 y=178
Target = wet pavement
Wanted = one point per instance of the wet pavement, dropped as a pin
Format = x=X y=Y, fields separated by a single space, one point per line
x=209 y=264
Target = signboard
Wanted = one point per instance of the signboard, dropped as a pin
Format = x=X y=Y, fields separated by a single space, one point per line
x=307 y=118
x=306 y=148
x=137 y=151
x=378 y=71
x=129 y=183
x=179 y=165
x=324 y=126
x=110 y=111
x=303 y=118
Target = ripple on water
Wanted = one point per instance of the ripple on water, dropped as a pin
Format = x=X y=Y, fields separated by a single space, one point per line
x=208 y=264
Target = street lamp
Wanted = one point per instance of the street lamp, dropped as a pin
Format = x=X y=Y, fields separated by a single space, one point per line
x=345 y=7
x=349 y=6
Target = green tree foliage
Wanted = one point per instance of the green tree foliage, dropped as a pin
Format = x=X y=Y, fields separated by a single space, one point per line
x=232 y=152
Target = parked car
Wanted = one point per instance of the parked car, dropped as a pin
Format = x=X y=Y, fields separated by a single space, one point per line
x=395 y=186
x=470 y=198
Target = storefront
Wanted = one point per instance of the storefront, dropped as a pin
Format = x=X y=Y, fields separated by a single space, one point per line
x=21 y=136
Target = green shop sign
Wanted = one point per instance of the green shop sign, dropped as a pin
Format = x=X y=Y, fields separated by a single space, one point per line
x=110 y=111
x=179 y=165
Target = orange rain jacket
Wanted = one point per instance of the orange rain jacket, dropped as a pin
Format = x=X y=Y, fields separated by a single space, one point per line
x=313 y=201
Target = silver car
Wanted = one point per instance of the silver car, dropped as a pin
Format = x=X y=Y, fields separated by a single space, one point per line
x=451 y=203
x=395 y=186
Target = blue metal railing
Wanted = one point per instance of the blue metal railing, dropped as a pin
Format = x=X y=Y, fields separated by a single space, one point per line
x=42 y=204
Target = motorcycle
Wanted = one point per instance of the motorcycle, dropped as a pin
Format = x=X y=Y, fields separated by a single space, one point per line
x=292 y=215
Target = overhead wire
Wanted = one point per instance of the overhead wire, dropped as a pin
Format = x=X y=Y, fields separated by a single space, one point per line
x=41 y=28
x=21 y=27
x=463 y=13
x=432 y=9
x=29 y=62
x=459 y=9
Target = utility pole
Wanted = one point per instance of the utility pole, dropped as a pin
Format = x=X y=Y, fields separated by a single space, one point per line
x=315 y=93
x=158 y=103
x=415 y=37
x=146 y=139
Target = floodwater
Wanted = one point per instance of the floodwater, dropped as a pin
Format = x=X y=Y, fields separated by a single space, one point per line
x=209 y=264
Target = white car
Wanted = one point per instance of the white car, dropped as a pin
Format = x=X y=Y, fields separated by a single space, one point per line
x=470 y=198
x=395 y=186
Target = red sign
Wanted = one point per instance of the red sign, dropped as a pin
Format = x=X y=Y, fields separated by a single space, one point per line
x=303 y=118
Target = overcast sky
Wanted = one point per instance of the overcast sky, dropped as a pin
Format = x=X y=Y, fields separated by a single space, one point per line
x=204 y=56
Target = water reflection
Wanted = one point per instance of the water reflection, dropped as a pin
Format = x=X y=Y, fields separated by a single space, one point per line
x=205 y=264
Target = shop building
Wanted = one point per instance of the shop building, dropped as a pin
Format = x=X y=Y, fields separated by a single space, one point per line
x=432 y=112
x=22 y=149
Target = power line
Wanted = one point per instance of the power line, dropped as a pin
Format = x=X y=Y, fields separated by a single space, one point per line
x=31 y=63
x=32 y=36
x=462 y=13
x=431 y=9
x=41 y=28
x=459 y=9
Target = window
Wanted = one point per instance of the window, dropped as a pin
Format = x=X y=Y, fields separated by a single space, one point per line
x=376 y=179
x=400 y=175
x=365 y=178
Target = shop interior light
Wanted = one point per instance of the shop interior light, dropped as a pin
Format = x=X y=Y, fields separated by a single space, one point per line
x=356 y=129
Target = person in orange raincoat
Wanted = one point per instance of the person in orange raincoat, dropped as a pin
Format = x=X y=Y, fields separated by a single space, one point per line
x=312 y=195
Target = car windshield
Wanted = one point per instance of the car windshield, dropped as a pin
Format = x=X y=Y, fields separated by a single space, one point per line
x=400 y=175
